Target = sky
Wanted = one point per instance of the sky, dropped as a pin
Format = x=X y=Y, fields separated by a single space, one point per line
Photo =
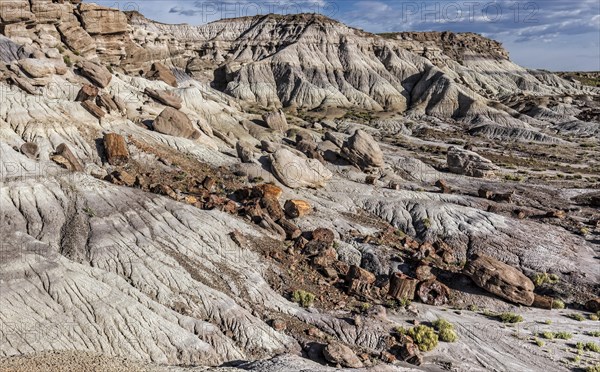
x=556 y=35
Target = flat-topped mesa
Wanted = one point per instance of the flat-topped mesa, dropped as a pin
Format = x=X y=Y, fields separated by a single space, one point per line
x=454 y=45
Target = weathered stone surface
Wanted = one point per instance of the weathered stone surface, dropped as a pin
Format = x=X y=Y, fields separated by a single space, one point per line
x=93 y=109
x=276 y=120
x=338 y=353
x=102 y=20
x=15 y=11
x=165 y=97
x=296 y=172
x=108 y=103
x=38 y=68
x=501 y=279
x=362 y=150
x=87 y=93
x=98 y=74
x=175 y=123
x=23 y=84
x=245 y=151
x=433 y=293
x=297 y=208
x=469 y=163
x=161 y=72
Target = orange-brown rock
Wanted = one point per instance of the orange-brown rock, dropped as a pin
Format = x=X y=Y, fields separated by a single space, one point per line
x=297 y=208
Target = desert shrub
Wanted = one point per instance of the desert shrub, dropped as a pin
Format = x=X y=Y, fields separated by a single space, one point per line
x=424 y=337
x=509 y=318
x=563 y=335
x=548 y=335
x=304 y=298
x=595 y=368
x=592 y=346
x=578 y=317
x=593 y=333
x=593 y=317
x=539 y=343
x=67 y=61
x=445 y=330
x=543 y=278
x=558 y=304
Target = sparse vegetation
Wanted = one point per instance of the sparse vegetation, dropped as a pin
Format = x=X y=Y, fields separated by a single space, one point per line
x=67 y=61
x=593 y=317
x=548 y=335
x=544 y=278
x=509 y=318
x=563 y=335
x=594 y=368
x=424 y=337
x=304 y=298
x=446 y=330
x=577 y=316
x=539 y=342
x=558 y=304
x=593 y=333
x=514 y=177
x=592 y=346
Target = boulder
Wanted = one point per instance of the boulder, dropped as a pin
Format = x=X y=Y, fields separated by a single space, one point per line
x=469 y=163
x=165 y=97
x=37 y=68
x=175 y=123
x=362 y=150
x=108 y=103
x=161 y=72
x=101 y=20
x=24 y=85
x=296 y=172
x=501 y=279
x=297 y=208
x=338 y=353
x=31 y=150
x=268 y=190
x=276 y=120
x=593 y=305
x=96 y=73
x=245 y=151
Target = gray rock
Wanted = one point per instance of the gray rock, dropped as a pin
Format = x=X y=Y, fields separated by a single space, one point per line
x=245 y=151
x=362 y=150
x=295 y=172
x=469 y=163
x=276 y=120
x=348 y=254
x=175 y=123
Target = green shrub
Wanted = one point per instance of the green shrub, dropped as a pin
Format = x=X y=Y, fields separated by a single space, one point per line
x=548 y=335
x=445 y=330
x=67 y=61
x=593 y=333
x=509 y=318
x=578 y=317
x=305 y=299
x=563 y=335
x=592 y=346
x=543 y=278
x=593 y=317
x=424 y=337
x=558 y=304
x=539 y=343
x=595 y=368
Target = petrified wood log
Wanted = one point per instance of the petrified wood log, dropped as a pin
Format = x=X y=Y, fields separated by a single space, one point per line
x=116 y=149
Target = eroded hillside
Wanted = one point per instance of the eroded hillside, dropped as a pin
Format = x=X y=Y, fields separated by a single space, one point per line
x=273 y=193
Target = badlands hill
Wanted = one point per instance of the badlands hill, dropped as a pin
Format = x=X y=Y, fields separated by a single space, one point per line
x=278 y=193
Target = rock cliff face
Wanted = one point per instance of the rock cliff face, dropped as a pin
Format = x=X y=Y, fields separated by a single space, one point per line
x=163 y=247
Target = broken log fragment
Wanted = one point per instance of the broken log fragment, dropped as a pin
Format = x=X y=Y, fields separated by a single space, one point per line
x=402 y=287
x=116 y=149
x=64 y=151
x=433 y=293
x=359 y=280
x=291 y=231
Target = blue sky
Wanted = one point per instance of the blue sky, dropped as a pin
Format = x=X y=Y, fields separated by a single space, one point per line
x=550 y=34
